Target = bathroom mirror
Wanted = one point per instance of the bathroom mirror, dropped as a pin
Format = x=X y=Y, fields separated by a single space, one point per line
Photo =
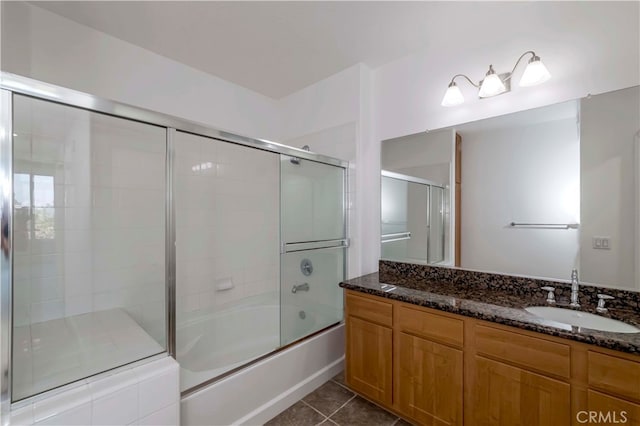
x=534 y=193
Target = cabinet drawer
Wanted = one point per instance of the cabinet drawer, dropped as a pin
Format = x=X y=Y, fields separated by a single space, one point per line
x=369 y=309
x=432 y=326
x=614 y=375
x=538 y=354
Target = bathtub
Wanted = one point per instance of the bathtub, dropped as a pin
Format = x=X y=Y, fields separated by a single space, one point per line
x=215 y=343
x=255 y=394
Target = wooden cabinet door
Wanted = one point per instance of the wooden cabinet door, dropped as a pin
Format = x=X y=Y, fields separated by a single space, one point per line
x=605 y=409
x=368 y=359
x=510 y=396
x=429 y=381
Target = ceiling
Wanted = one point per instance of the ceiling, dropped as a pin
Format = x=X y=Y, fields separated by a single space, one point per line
x=277 y=48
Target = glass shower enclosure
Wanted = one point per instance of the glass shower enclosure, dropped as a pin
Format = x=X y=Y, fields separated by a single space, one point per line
x=313 y=246
x=129 y=235
x=89 y=291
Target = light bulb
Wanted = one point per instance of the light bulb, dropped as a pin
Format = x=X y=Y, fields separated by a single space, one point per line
x=535 y=73
x=491 y=85
x=453 y=96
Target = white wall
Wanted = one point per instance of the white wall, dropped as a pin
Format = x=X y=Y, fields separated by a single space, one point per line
x=44 y=46
x=594 y=51
x=527 y=174
x=609 y=127
x=328 y=103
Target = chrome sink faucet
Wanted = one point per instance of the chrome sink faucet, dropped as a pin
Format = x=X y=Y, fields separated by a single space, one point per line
x=575 y=288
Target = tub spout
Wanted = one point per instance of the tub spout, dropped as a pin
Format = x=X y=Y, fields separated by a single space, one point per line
x=300 y=287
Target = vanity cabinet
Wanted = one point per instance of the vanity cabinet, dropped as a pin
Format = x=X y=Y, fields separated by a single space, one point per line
x=428 y=367
x=614 y=387
x=429 y=381
x=616 y=410
x=508 y=395
x=437 y=368
x=369 y=348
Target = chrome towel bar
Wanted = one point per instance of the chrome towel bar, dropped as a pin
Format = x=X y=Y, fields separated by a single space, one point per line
x=387 y=238
x=545 y=225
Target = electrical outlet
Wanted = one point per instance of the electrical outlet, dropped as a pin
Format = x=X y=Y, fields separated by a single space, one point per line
x=601 y=243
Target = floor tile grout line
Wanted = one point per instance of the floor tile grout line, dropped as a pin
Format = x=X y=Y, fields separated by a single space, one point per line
x=342 y=406
x=315 y=409
x=342 y=385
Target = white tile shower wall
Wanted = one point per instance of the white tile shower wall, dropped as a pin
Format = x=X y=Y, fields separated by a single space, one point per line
x=144 y=395
x=227 y=223
x=90 y=216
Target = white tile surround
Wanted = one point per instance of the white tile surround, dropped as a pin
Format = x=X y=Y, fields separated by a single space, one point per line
x=227 y=224
x=147 y=394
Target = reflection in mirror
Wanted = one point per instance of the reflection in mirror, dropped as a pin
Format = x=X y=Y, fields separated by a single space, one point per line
x=415 y=198
x=521 y=168
x=537 y=192
x=412 y=219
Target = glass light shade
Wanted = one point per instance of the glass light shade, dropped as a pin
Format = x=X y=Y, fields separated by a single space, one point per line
x=453 y=96
x=535 y=73
x=491 y=86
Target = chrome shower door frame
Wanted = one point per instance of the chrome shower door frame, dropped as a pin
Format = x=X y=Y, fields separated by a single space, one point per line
x=6 y=261
x=14 y=84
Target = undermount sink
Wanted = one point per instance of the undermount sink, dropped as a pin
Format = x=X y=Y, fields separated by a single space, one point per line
x=581 y=319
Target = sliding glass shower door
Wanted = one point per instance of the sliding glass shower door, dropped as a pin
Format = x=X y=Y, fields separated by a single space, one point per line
x=89 y=290
x=227 y=258
x=313 y=246
x=133 y=238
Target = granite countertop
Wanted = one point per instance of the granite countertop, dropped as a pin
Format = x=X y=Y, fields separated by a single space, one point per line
x=500 y=305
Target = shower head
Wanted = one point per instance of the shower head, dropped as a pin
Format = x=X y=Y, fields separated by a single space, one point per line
x=296 y=160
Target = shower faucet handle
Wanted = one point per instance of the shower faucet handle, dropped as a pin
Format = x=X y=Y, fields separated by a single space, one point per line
x=551 y=296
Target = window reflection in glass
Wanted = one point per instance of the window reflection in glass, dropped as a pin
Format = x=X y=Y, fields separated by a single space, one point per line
x=35 y=191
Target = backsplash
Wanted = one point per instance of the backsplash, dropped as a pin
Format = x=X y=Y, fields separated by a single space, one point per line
x=519 y=286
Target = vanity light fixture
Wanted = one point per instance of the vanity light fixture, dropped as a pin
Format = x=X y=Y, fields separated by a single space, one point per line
x=495 y=84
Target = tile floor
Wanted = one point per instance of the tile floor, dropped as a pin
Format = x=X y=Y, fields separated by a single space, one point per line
x=333 y=404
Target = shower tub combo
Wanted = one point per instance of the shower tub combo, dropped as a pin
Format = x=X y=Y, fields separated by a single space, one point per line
x=225 y=253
